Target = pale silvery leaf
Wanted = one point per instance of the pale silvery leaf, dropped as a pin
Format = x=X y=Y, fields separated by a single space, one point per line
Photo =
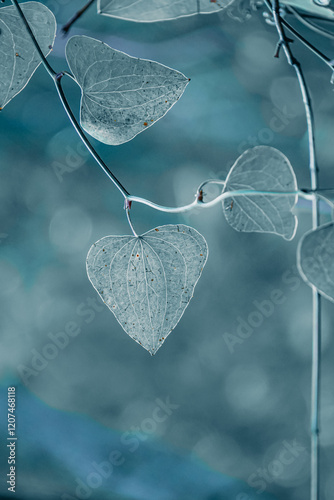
x=315 y=259
x=326 y=9
x=121 y=95
x=262 y=169
x=148 y=281
x=158 y=10
x=18 y=56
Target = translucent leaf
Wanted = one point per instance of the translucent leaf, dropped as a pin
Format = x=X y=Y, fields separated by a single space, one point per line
x=18 y=56
x=158 y=10
x=315 y=259
x=121 y=95
x=311 y=7
x=147 y=282
x=262 y=169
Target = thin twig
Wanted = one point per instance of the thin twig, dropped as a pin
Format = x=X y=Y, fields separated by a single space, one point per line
x=211 y=181
x=127 y=209
x=319 y=18
x=67 y=73
x=317 y=29
x=308 y=44
x=65 y=29
x=316 y=330
x=303 y=40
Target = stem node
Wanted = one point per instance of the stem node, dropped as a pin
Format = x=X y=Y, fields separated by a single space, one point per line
x=59 y=76
x=127 y=204
x=199 y=196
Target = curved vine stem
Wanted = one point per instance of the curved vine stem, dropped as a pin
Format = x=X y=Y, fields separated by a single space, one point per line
x=198 y=202
x=127 y=208
x=316 y=330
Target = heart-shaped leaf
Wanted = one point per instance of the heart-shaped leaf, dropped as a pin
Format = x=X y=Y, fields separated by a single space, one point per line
x=121 y=95
x=158 y=10
x=262 y=169
x=148 y=281
x=315 y=259
x=18 y=56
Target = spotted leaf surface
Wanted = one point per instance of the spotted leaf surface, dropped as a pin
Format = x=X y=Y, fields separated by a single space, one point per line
x=262 y=169
x=148 y=281
x=18 y=56
x=121 y=95
x=315 y=259
x=158 y=10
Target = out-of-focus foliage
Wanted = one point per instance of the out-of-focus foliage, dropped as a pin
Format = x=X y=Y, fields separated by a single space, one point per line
x=158 y=10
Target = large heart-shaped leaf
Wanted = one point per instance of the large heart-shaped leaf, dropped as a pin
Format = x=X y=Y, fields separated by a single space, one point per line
x=148 y=281
x=121 y=95
x=315 y=259
x=262 y=169
x=18 y=56
x=158 y=10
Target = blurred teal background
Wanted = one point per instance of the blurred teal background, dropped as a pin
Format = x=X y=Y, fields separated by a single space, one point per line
x=240 y=407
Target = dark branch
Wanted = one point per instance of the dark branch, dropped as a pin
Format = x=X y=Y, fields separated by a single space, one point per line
x=65 y=29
